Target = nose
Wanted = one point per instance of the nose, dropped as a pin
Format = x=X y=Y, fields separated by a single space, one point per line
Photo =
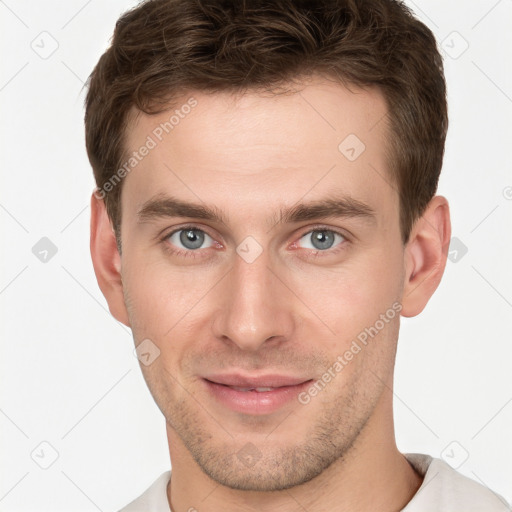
x=256 y=307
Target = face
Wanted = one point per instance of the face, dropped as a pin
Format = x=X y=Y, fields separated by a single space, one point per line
x=289 y=261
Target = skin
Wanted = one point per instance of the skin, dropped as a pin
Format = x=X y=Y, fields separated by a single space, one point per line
x=287 y=312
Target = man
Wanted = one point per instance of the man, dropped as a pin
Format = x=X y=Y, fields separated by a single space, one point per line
x=265 y=211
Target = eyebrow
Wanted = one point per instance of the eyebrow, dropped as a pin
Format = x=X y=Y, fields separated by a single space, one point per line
x=163 y=206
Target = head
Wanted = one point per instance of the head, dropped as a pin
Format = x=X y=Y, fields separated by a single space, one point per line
x=266 y=205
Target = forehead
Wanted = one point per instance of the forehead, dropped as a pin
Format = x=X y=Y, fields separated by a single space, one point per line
x=255 y=150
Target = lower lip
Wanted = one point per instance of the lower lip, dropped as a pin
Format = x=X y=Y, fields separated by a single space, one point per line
x=255 y=402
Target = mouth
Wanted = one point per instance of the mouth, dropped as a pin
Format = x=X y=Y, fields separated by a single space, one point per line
x=254 y=395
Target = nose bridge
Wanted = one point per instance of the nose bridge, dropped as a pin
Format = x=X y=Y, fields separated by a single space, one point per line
x=256 y=307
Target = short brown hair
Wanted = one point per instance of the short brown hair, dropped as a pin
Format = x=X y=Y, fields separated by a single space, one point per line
x=163 y=47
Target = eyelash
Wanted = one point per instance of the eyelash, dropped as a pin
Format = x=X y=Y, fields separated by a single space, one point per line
x=313 y=254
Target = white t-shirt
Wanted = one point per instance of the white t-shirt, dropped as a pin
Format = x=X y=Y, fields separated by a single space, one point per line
x=442 y=490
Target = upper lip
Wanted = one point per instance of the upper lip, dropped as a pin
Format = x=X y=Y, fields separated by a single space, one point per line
x=260 y=381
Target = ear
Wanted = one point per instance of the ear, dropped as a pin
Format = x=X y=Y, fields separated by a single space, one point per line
x=107 y=260
x=425 y=256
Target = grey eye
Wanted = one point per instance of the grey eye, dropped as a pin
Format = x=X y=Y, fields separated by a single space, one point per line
x=321 y=239
x=189 y=238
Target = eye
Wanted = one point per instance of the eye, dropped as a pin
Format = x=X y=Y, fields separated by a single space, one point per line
x=321 y=239
x=189 y=238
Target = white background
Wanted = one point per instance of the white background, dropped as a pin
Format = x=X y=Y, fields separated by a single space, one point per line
x=69 y=376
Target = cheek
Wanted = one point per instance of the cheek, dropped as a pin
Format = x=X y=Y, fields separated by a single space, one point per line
x=153 y=300
x=163 y=301
x=352 y=297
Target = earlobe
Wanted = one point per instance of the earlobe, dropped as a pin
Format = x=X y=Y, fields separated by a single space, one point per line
x=425 y=256
x=107 y=260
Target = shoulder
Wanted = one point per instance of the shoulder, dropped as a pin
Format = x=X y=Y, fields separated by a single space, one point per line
x=154 y=499
x=444 y=489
